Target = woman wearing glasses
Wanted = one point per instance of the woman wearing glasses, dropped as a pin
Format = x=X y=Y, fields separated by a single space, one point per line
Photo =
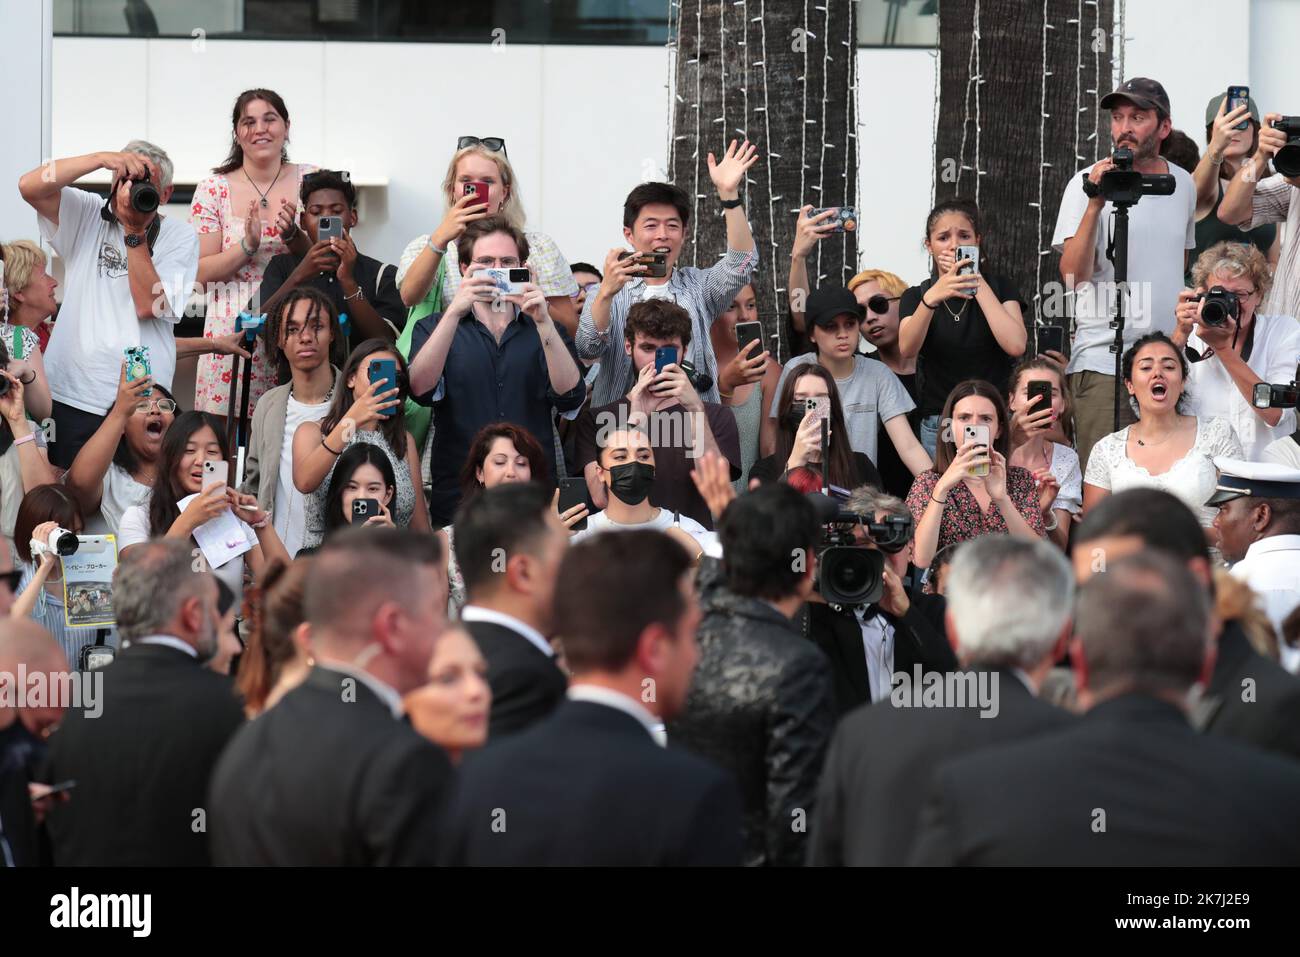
x=117 y=467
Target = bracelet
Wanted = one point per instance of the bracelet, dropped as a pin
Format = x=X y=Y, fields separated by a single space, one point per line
x=28 y=381
x=726 y=395
x=243 y=246
x=291 y=235
x=355 y=295
x=938 y=501
x=730 y=203
x=440 y=252
x=327 y=448
x=29 y=437
x=926 y=304
x=1056 y=522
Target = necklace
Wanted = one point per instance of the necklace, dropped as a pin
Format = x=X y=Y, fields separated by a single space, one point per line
x=956 y=316
x=1147 y=445
x=265 y=202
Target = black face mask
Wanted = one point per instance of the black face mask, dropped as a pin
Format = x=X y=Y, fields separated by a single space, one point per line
x=631 y=482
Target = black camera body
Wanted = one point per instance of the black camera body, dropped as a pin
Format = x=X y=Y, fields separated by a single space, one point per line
x=144 y=196
x=1269 y=395
x=701 y=381
x=1220 y=305
x=848 y=573
x=1287 y=160
x=1124 y=185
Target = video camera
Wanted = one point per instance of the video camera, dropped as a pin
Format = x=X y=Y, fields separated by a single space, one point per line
x=1270 y=396
x=1287 y=160
x=849 y=573
x=1124 y=185
x=1220 y=306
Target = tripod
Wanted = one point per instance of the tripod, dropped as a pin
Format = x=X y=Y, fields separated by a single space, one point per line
x=241 y=377
x=1118 y=255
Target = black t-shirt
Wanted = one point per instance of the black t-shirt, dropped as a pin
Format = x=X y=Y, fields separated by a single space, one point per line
x=376 y=279
x=894 y=473
x=960 y=347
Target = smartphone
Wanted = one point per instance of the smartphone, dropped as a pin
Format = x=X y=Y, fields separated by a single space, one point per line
x=665 y=356
x=656 y=263
x=844 y=221
x=509 y=282
x=1238 y=96
x=380 y=370
x=364 y=509
x=1051 y=339
x=137 y=365
x=820 y=405
x=479 y=187
x=1038 y=387
x=330 y=227
x=977 y=435
x=747 y=332
x=216 y=470
x=574 y=491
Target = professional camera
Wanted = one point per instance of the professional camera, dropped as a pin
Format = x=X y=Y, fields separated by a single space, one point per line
x=702 y=381
x=1287 y=160
x=1220 y=306
x=61 y=542
x=144 y=196
x=1124 y=185
x=849 y=573
x=1270 y=396
x=5 y=386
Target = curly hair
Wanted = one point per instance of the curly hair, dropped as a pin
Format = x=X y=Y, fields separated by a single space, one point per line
x=1236 y=260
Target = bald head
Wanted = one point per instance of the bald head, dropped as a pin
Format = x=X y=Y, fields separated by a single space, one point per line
x=27 y=646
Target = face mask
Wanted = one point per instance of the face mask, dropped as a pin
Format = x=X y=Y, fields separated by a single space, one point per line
x=630 y=482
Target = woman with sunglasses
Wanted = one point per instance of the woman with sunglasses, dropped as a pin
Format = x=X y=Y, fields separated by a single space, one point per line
x=428 y=274
x=746 y=383
x=117 y=467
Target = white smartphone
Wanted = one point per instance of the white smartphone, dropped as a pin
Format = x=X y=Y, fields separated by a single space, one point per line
x=973 y=254
x=214 y=471
x=977 y=435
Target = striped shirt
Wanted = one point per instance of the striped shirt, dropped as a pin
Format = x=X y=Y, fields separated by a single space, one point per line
x=704 y=293
x=1274 y=201
x=48 y=613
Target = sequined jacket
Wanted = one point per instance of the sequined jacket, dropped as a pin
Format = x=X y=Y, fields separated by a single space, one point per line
x=760 y=705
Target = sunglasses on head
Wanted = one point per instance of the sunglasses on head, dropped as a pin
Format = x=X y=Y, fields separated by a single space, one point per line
x=880 y=304
x=494 y=143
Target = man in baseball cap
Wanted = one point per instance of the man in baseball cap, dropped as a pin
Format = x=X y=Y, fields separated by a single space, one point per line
x=1259 y=532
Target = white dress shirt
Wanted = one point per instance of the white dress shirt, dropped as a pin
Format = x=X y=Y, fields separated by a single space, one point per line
x=621 y=702
x=878 y=643
x=1271 y=566
x=479 y=613
x=171 y=641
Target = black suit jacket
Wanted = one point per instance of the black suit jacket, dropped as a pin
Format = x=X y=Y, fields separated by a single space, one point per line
x=919 y=639
x=142 y=765
x=589 y=786
x=1251 y=698
x=1129 y=784
x=882 y=759
x=328 y=777
x=526 y=683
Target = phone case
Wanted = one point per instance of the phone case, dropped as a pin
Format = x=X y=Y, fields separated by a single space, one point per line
x=1238 y=96
x=137 y=365
x=216 y=472
x=574 y=492
x=979 y=471
x=665 y=356
x=384 y=369
x=747 y=332
x=480 y=188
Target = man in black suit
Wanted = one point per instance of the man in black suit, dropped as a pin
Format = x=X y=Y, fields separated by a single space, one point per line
x=592 y=783
x=1131 y=783
x=509 y=543
x=868 y=644
x=143 y=757
x=331 y=775
x=1008 y=618
x=1249 y=697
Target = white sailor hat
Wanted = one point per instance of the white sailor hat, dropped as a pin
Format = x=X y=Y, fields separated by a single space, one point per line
x=1257 y=479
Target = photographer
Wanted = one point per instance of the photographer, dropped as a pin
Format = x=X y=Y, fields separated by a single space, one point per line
x=127 y=275
x=655 y=216
x=357 y=285
x=1161 y=229
x=1236 y=353
x=668 y=406
x=869 y=644
x=1254 y=198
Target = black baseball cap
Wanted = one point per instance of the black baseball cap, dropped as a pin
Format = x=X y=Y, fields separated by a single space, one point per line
x=1140 y=91
x=828 y=303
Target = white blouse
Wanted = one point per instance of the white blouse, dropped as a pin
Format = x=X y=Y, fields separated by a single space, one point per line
x=1192 y=478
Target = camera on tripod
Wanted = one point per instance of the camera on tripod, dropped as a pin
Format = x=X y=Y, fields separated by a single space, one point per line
x=1218 y=306
x=1287 y=160
x=1270 y=396
x=1124 y=185
x=848 y=573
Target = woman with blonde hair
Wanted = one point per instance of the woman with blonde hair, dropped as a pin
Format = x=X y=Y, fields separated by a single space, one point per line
x=26 y=302
x=428 y=274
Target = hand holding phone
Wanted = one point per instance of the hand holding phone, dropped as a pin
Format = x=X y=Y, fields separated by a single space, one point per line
x=216 y=472
x=385 y=371
x=364 y=509
x=479 y=189
x=665 y=356
x=1238 y=96
x=573 y=492
x=977 y=435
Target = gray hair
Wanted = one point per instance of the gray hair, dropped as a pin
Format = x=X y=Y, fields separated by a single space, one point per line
x=1234 y=259
x=151 y=583
x=155 y=153
x=868 y=500
x=1144 y=624
x=1010 y=599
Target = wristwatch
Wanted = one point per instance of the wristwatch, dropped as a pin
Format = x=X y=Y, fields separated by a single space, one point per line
x=134 y=239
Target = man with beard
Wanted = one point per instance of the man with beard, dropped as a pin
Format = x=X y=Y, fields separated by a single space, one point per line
x=143 y=753
x=1161 y=230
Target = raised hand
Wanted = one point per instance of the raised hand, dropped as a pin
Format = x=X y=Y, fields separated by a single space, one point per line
x=729 y=174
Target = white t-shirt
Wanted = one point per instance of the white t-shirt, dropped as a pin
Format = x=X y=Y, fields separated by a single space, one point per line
x=1160 y=228
x=600 y=522
x=133 y=529
x=1211 y=391
x=118 y=493
x=289 y=514
x=98 y=320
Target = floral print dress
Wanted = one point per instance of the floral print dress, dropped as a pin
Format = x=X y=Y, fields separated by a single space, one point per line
x=210 y=212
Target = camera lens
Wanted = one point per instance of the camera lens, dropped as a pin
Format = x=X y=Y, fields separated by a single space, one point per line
x=63 y=542
x=851 y=576
x=144 y=196
x=1287 y=159
x=1213 y=313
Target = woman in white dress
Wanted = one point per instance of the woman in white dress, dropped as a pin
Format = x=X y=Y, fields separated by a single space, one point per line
x=1165 y=448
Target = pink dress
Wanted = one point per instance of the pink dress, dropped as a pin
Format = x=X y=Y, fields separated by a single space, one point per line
x=210 y=212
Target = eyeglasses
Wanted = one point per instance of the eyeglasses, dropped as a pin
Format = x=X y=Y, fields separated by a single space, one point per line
x=12 y=578
x=880 y=304
x=588 y=289
x=165 y=406
x=508 y=262
x=494 y=143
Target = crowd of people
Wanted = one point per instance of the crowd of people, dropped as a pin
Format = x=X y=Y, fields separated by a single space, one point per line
x=925 y=592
